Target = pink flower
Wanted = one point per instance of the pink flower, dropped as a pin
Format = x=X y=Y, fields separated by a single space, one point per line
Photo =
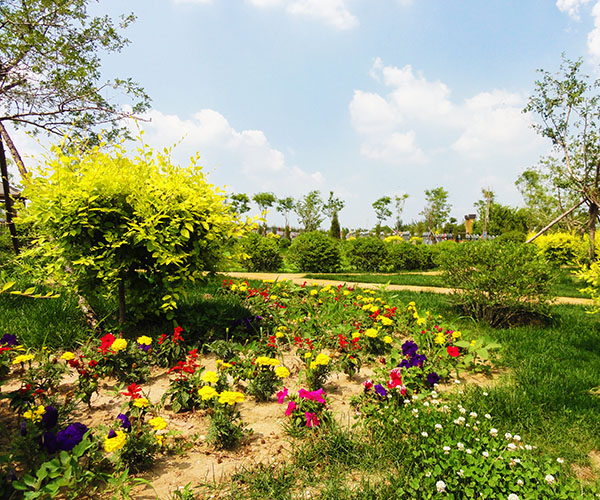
x=291 y=407
x=316 y=396
x=368 y=384
x=281 y=395
x=395 y=378
x=311 y=419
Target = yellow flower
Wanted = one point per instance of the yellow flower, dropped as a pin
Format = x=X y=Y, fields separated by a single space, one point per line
x=412 y=303
x=231 y=397
x=387 y=339
x=266 y=361
x=274 y=297
x=158 y=423
x=359 y=297
x=371 y=332
x=322 y=359
x=67 y=356
x=346 y=292
x=144 y=340
x=355 y=335
x=160 y=440
x=115 y=443
x=416 y=315
x=313 y=365
x=307 y=355
x=210 y=377
x=421 y=321
x=141 y=402
x=22 y=358
x=207 y=392
x=282 y=372
x=119 y=345
x=366 y=307
x=473 y=342
x=35 y=415
x=456 y=334
x=314 y=292
x=440 y=339
x=268 y=281
x=234 y=287
x=385 y=321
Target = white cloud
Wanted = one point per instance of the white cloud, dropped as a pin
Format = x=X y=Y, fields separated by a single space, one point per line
x=416 y=120
x=571 y=7
x=332 y=12
x=245 y=160
x=264 y=3
x=202 y=2
x=593 y=39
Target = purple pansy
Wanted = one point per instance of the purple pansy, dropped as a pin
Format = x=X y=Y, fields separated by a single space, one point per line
x=70 y=436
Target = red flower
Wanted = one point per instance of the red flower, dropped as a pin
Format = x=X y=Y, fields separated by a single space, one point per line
x=93 y=363
x=177 y=334
x=162 y=338
x=106 y=342
x=133 y=391
x=453 y=351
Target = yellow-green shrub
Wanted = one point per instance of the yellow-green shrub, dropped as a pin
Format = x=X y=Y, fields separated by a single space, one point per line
x=562 y=248
x=138 y=227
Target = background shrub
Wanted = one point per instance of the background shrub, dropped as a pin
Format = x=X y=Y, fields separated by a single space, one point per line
x=404 y=256
x=315 y=252
x=367 y=254
x=562 y=248
x=262 y=253
x=501 y=283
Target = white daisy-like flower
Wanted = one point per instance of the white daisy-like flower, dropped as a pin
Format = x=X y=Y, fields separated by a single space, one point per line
x=446 y=450
x=494 y=432
x=528 y=447
x=485 y=454
x=439 y=427
x=516 y=437
x=473 y=414
x=424 y=434
x=560 y=460
x=415 y=411
x=511 y=446
x=460 y=446
x=426 y=403
x=488 y=416
x=550 y=479
x=508 y=435
x=434 y=394
x=520 y=482
x=440 y=486
x=512 y=496
x=468 y=451
x=485 y=394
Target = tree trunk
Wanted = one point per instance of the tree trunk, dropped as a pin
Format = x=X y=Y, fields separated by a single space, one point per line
x=592 y=228
x=13 y=151
x=7 y=201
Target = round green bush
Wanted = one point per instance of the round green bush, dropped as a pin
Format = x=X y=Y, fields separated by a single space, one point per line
x=263 y=253
x=404 y=256
x=315 y=252
x=367 y=254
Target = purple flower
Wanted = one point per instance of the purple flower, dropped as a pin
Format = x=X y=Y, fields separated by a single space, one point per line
x=112 y=434
x=49 y=441
x=380 y=390
x=410 y=348
x=50 y=417
x=125 y=422
x=418 y=360
x=23 y=429
x=144 y=347
x=9 y=339
x=70 y=436
x=433 y=378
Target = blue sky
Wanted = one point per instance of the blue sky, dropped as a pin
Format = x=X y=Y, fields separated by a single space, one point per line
x=363 y=97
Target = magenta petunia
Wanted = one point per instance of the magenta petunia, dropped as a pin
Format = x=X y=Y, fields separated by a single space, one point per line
x=291 y=407
x=281 y=395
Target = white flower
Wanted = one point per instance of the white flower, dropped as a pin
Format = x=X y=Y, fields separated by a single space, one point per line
x=440 y=486
x=560 y=460
x=485 y=454
x=485 y=393
x=528 y=447
x=494 y=432
x=460 y=473
x=462 y=410
x=508 y=435
x=415 y=411
x=415 y=397
x=488 y=416
x=460 y=446
x=468 y=451
x=439 y=426
x=424 y=434
x=406 y=401
x=457 y=381
x=473 y=414
x=512 y=496
x=434 y=394
x=512 y=446
x=516 y=437
x=446 y=450
x=428 y=474
x=426 y=403
x=549 y=479
x=520 y=482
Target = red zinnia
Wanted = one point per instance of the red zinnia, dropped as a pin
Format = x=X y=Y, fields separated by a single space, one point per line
x=133 y=391
x=106 y=342
x=453 y=351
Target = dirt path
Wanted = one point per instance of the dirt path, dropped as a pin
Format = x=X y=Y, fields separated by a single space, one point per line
x=298 y=278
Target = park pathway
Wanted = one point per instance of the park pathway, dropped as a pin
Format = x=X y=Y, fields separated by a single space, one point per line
x=299 y=279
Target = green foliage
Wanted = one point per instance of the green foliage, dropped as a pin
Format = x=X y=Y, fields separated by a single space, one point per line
x=437 y=209
x=334 y=229
x=309 y=211
x=104 y=221
x=404 y=256
x=261 y=253
x=315 y=252
x=561 y=248
x=226 y=429
x=500 y=283
x=382 y=211
x=366 y=254
x=514 y=236
x=240 y=203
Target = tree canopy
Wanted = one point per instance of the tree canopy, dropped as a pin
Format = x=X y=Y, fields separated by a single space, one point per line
x=437 y=209
x=50 y=70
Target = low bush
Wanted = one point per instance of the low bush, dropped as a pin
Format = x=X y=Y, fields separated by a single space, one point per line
x=262 y=253
x=501 y=283
x=367 y=254
x=562 y=248
x=314 y=252
x=403 y=256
